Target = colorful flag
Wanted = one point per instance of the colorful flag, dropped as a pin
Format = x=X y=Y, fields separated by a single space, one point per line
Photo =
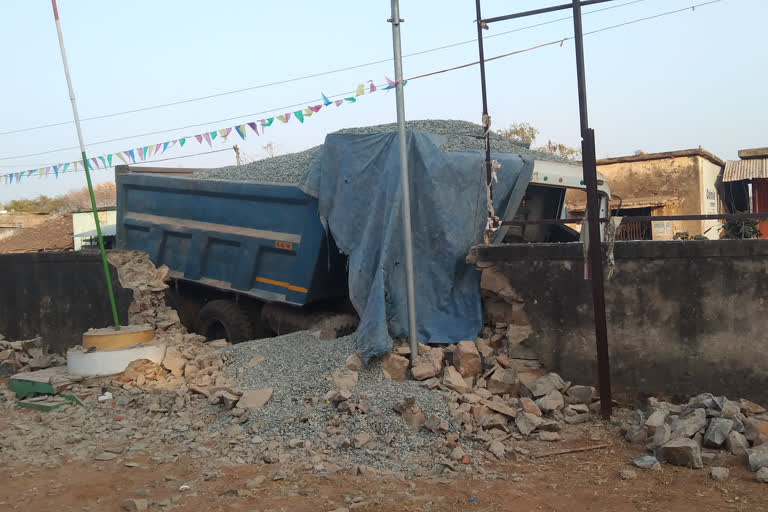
x=224 y=132
x=157 y=147
x=128 y=153
x=165 y=145
x=144 y=151
x=299 y=115
x=121 y=157
x=360 y=90
x=214 y=134
x=109 y=159
x=373 y=87
x=390 y=84
x=207 y=137
x=240 y=129
x=267 y=122
x=326 y=101
x=308 y=112
x=181 y=142
x=316 y=108
x=351 y=100
x=56 y=171
x=149 y=151
x=104 y=162
x=199 y=138
x=254 y=127
x=338 y=102
x=65 y=168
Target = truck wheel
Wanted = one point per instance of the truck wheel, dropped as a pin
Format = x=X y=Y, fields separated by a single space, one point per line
x=223 y=319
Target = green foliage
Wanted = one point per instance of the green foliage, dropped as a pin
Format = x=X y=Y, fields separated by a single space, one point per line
x=527 y=133
x=523 y=132
x=71 y=202
x=740 y=229
x=40 y=204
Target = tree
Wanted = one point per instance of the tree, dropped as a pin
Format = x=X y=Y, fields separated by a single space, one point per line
x=527 y=133
x=104 y=193
x=523 y=132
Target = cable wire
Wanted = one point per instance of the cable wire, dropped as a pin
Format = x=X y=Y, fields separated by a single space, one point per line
x=559 y=41
x=306 y=77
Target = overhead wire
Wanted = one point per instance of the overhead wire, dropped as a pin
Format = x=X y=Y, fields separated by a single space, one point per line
x=314 y=75
x=559 y=41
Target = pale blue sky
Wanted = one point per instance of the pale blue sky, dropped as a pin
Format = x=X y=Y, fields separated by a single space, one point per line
x=686 y=80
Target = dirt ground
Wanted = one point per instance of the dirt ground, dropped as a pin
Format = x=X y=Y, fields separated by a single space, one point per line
x=575 y=482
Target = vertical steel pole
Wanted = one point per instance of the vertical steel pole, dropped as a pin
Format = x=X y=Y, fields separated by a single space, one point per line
x=488 y=169
x=404 y=179
x=593 y=220
x=85 y=167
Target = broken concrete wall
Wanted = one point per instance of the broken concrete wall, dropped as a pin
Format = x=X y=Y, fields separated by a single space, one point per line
x=57 y=296
x=682 y=316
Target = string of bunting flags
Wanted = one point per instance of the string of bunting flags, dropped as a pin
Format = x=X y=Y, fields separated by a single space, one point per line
x=144 y=153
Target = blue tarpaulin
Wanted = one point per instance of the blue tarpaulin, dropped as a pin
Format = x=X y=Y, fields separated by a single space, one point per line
x=356 y=179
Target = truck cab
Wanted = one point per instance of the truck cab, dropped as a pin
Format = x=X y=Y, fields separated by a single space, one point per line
x=545 y=199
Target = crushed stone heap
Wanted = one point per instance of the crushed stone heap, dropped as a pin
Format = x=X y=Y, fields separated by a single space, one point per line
x=290 y=168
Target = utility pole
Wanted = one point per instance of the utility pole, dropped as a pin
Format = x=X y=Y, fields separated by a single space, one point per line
x=237 y=155
x=395 y=20
x=85 y=167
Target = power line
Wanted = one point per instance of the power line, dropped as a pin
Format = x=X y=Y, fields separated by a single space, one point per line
x=559 y=41
x=306 y=77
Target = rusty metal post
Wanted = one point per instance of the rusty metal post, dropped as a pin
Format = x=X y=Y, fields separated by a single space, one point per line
x=589 y=166
x=486 y=118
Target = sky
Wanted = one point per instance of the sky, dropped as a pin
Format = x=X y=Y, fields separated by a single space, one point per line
x=690 y=79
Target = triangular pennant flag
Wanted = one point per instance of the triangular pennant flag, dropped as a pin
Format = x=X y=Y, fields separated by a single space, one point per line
x=181 y=142
x=199 y=138
x=165 y=145
x=373 y=87
x=360 y=90
x=104 y=162
x=326 y=101
x=254 y=127
x=56 y=171
x=207 y=137
x=129 y=154
x=351 y=100
x=224 y=132
x=308 y=112
x=316 y=108
x=240 y=129
x=267 y=122
x=65 y=168
x=140 y=153
x=338 y=102
x=282 y=119
x=109 y=159
x=74 y=165
x=48 y=170
x=144 y=152
x=121 y=157
x=390 y=84
x=157 y=147
x=149 y=151
x=299 y=115
x=214 y=134
x=19 y=175
x=10 y=178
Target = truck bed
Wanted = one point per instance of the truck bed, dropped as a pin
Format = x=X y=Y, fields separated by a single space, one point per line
x=259 y=239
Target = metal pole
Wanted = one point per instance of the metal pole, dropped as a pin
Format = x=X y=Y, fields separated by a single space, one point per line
x=85 y=166
x=488 y=169
x=593 y=213
x=404 y=179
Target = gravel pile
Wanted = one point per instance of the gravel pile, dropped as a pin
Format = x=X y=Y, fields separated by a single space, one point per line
x=461 y=136
x=280 y=169
x=298 y=367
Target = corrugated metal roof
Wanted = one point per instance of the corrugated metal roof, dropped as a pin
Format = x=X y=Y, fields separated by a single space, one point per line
x=736 y=170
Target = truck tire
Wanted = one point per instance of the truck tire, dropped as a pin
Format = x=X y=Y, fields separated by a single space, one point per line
x=223 y=319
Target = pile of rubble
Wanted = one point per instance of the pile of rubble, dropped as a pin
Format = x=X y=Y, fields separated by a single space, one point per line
x=137 y=272
x=25 y=356
x=696 y=433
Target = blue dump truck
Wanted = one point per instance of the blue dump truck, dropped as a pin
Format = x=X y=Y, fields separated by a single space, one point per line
x=232 y=249
x=250 y=259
